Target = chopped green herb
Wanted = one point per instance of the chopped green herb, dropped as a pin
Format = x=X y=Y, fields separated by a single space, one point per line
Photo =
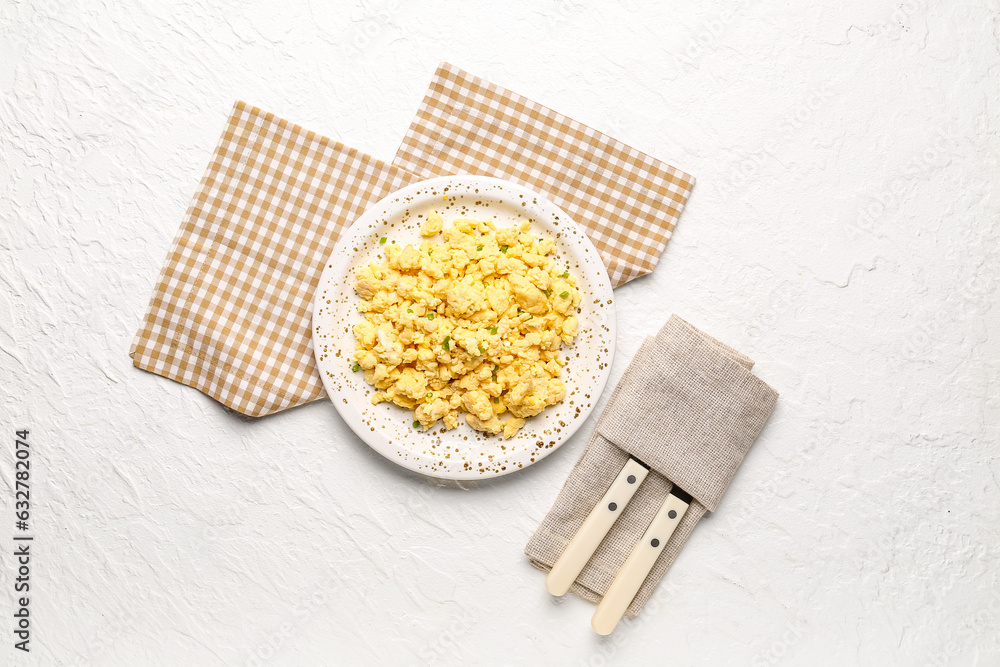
x=430 y=394
x=496 y=399
x=479 y=248
x=430 y=316
x=493 y=330
x=482 y=350
x=503 y=249
x=566 y=275
x=356 y=367
x=416 y=424
x=548 y=292
x=383 y=240
x=565 y=295
x=495 y=369
x=484 y=284
x=409 y=310
x=447 y=343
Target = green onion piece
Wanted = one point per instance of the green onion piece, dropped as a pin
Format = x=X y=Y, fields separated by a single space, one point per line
x=503 y=249
x=565 y=295
x=495 y=369
x=548 y=292
x=383 y=240
x=566 y=275
x=479 y=248
x=409 y=310
x=493 y=330
x=429 y=394
x=416 y=424
x=482 y=350
x=430 y=316
x=356 y=367
x=496 y=399
x=447 y=343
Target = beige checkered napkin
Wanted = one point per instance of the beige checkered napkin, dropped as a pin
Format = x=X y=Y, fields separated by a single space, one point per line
x=628 y=201
x=688 y=407
x=230 y=312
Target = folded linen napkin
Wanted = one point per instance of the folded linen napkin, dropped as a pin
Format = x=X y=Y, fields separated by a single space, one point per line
x=229 y=313
x=688 y=407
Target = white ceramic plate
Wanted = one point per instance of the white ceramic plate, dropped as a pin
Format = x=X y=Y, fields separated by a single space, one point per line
x=461 y=453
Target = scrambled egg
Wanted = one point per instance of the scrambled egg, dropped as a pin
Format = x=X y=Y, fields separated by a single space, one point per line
x=473 y=325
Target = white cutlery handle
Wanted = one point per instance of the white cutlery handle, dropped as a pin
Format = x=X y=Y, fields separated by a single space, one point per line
x=637 y=566
x=594 y=528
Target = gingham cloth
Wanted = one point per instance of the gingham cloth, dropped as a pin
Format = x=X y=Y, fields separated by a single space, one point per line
x=627 y=201
x=229 y=313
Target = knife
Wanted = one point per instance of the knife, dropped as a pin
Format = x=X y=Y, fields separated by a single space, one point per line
x=637 y=566
x=597 y=524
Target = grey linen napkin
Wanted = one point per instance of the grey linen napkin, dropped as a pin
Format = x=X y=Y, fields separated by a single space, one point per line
x=688 y=407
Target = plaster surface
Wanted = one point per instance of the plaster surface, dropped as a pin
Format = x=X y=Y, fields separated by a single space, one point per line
x=843 y=233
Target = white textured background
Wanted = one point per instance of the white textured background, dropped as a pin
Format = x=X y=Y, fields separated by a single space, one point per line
x=843 y=232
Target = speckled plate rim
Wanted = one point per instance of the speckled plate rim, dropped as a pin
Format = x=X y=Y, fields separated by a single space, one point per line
x=461 y=454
